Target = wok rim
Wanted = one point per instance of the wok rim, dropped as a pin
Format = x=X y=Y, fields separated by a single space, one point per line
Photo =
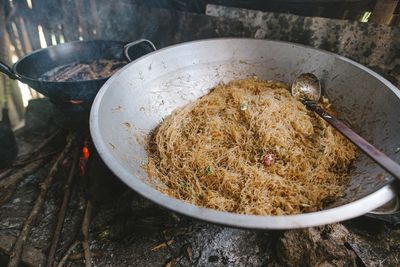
x=259 y=222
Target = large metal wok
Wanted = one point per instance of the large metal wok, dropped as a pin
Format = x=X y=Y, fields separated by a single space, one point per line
x=140 y=95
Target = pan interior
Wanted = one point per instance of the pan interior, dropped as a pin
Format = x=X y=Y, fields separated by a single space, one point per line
x=41 y=61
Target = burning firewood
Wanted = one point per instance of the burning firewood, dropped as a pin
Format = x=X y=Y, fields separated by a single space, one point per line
x=67 y=254
x=9 y=184
x=63 y=209
x=15 y=256
x=30 y=157
x=85 y=232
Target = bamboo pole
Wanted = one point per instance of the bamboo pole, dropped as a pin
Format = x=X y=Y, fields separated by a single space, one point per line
x=2 y=56
x=383 y=11
x=95 y=18
x=10 y=91
x=25 y=38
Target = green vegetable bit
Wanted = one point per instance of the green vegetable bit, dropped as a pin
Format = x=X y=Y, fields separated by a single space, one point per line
x=243 y=106
x=209 y=170
x=183 y=184
x=322 y=148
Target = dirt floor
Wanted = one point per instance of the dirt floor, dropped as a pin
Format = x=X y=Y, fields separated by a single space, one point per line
x=127 y=230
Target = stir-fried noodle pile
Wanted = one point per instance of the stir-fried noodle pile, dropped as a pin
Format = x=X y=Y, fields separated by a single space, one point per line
x=250 y=147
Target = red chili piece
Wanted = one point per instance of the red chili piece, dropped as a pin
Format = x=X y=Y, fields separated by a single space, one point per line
x=268 y=159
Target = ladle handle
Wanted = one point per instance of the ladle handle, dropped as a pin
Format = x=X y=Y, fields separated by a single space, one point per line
x=384 y=161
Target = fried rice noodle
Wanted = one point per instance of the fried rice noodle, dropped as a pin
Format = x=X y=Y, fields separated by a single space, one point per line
x=250 y=147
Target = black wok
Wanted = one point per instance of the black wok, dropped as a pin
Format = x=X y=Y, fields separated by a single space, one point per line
x=32 y=66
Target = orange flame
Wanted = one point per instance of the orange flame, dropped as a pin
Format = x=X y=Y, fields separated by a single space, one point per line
x=85 y=153
x=84 y=158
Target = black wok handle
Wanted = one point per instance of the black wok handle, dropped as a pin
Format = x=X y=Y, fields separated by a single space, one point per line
x=4 y=68
x=132 y=52
x=384 y=161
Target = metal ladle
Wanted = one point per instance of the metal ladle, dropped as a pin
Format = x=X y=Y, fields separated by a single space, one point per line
x=307 y=88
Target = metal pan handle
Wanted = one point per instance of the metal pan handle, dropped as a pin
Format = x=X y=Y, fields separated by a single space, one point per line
x=131 y=55
x=4 y=68
x=379 y=157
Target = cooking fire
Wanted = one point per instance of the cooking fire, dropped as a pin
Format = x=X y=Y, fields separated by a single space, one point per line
x=84 y=157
